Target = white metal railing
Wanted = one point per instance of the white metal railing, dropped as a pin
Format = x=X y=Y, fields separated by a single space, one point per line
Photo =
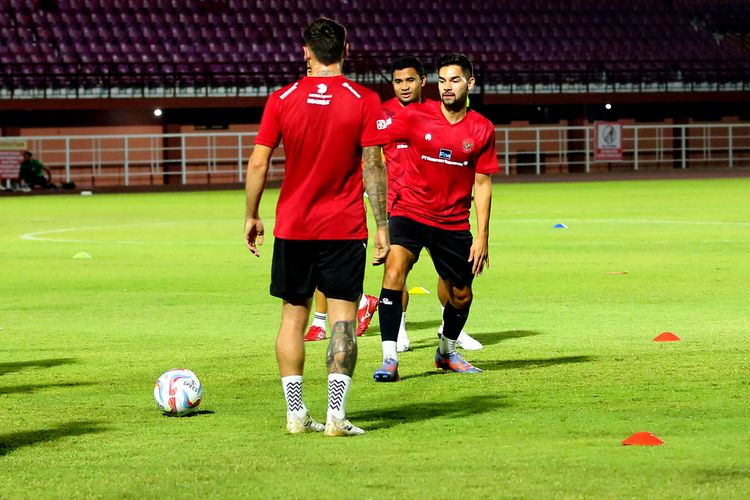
x=148 y=159
x=210 y=158
x=563 y=149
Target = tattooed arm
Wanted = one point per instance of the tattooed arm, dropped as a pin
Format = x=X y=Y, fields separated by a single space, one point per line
x=375 y=186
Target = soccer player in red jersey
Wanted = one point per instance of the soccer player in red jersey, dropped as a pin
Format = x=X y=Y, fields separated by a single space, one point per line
x=451 y=153
x=408 y=79
x=332 y=130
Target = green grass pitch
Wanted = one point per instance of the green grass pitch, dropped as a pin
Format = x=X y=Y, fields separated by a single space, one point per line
x=571 y=369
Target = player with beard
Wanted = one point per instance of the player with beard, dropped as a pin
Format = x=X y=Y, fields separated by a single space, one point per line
x=408 y=79
x=451 y=153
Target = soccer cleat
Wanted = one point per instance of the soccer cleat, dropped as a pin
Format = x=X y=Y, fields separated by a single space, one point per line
x=315 y=333
x=365 y=314
x=388 y=372
x=467 y=342
x=341 y=428
x=464 y=341
x=454 y=362
x=402 y=342
x=300 y=425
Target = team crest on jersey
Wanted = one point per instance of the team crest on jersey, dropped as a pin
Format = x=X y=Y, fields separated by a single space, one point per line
x=467 y=145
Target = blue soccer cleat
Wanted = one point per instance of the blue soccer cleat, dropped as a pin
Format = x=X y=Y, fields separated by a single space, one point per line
x=454 y=362
x=388 y=372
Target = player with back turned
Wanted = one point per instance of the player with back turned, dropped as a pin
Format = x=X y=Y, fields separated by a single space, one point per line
x=451 y=153
x=332 y=130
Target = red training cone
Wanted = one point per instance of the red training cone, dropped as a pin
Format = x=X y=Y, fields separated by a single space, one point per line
x=643 y=439
x=666 y=337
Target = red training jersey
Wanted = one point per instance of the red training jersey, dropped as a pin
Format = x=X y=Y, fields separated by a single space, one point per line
x=324 y=123
x=395 y=153
x=443 y=159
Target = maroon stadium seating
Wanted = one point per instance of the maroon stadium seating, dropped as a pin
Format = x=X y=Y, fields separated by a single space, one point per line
x=126 y=43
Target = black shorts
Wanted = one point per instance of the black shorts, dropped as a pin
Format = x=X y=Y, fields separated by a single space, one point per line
x=449 y=249
x=335 y=267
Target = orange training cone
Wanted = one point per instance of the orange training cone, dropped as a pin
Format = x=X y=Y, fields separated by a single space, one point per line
x=666 y=337
x=643 y=439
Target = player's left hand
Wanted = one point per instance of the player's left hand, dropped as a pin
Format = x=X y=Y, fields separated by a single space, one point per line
x=479 y=256
x=382 y=246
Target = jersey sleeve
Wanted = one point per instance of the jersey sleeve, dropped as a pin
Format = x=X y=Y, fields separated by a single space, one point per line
x=373 y=122
x=487 y=160
x=269 y=133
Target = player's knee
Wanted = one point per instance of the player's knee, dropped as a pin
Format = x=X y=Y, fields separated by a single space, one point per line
x=394 y=278
x=461 y=299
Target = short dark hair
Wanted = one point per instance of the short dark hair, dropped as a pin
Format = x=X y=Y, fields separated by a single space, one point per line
x=408 y=62
x=326 y=39
x=457 y=59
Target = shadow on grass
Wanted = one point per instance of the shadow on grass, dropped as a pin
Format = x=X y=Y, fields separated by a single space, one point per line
x=492 y=338
x=191 y=414
x=38 y=363
x=15 y=389
x=418 y=345
x=384 y=418
x=14 y=440
x=487 y=338
x=511 y=364
x=426 y=325
x=720 y=475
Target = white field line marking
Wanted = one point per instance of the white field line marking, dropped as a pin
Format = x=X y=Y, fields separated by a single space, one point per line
x=629 y=221
x=44 y=235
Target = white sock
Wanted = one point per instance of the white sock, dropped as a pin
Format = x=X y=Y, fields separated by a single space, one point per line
x=389 y=350
x=402 y=327
x=338 y=388
x=320 y=320
x=446 y=345
x=363 y=301
x=292 y=385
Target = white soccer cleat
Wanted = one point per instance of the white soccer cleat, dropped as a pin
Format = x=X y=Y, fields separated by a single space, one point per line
x=402 y=342
x=467 y=342
x=464 y=340
x=341 y=427
x=300 y=425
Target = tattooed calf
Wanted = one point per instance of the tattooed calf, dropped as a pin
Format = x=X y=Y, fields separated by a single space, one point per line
x=342 y=350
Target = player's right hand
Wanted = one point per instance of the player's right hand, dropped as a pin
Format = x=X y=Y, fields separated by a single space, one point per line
x=254 y=234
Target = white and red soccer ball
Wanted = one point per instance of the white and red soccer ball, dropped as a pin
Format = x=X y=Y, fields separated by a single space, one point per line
x=178 y=392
